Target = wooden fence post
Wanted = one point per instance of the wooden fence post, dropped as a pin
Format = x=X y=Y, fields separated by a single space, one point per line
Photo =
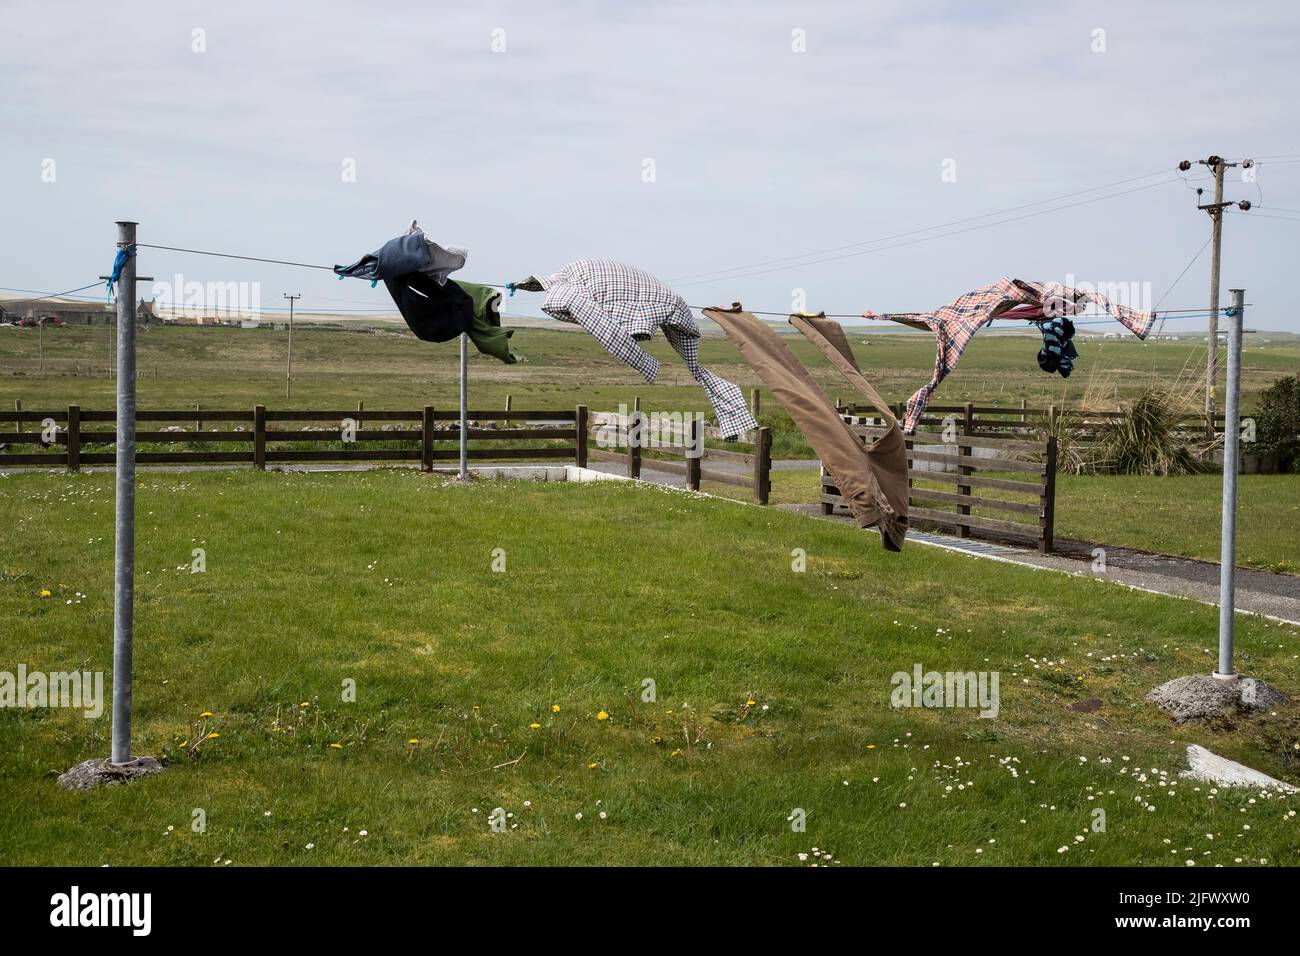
x=507 y=401
x=426 y=438
x=763 y=465
x=18 y=407
x=1023 y=405
x=580 y=447
x=259 y=437
x=695 y=443
x=361 y=406
x=1047 y=503
x=198 y=417
x=755 y=401
x=74 y=437
x=965 y=471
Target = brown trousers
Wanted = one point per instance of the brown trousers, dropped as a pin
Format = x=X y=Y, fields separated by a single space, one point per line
x=872 y=478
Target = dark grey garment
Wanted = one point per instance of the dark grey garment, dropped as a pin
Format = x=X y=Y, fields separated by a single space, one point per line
x=397 y=257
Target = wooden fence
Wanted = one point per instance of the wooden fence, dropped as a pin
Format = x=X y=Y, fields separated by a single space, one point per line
x=260 y=435
x=968 y=472
x=678 y=446
x=1010 y=421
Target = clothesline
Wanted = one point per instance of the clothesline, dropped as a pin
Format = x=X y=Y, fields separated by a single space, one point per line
x=1187 y=313
x=510 y=286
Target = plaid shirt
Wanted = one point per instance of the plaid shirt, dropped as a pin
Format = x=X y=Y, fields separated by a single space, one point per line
x=956 y=323
x=621 y=306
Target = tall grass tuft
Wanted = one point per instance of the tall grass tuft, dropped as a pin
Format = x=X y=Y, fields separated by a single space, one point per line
x=1147 y=440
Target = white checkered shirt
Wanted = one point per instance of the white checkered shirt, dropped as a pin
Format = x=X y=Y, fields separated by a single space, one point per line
x=621 y=306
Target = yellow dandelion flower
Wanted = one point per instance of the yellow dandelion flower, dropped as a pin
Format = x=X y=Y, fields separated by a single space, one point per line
x=871 y=746
x=305 y=703
x=414 y=740
x=751 y=702
x=593 y=765
x=677 y=753
x=212 y=736
x=555 y=708
x=336 y=746
x=534 y=726
x=668 y=712
x=45 y=592
x=602 y=716
x=206 y=713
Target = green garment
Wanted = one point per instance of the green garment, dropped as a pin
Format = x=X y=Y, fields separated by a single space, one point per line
x=486 y=332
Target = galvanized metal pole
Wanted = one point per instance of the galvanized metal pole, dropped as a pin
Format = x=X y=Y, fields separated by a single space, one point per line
x=1228 y=533
x=464 y=406
x=124 y=539
x=1212 y=360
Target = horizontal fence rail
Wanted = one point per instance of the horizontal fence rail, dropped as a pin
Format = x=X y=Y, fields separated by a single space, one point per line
x=678 y=446
x=1009 y=421
x=1006 y=476
x=260 y=435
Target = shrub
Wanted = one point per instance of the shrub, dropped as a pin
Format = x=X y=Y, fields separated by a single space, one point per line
x=1277 y=423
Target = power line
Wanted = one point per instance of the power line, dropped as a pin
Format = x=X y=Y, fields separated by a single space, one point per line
x=57 y=295
x=913 y=232
x=1190 y=263
x=910 y=242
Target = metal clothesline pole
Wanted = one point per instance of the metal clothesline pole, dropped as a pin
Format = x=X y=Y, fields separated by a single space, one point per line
x=1228 y=534
x=124 y=532
x=464 y=406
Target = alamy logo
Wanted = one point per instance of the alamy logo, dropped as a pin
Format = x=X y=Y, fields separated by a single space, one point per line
x=134 y=910
x=923 y=688
x=637 y=429
x=29 y=690
x=237 y=300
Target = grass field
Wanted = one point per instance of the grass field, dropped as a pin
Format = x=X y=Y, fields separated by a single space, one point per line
x=524 y=689
x=227 y=367
x=1176 y=515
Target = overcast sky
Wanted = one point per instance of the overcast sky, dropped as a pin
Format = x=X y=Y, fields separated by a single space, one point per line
x=685 y=138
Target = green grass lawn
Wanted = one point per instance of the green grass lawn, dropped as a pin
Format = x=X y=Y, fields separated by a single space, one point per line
x=477 y=689
x=1177 y=515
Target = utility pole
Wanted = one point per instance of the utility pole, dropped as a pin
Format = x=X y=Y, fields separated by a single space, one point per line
x=1218 y=165
x=288 y=375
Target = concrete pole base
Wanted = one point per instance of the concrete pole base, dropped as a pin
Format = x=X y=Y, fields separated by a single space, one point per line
x=1214 y=696
x=100 y=772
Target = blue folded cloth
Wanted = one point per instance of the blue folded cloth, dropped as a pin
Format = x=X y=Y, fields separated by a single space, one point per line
x=1058 y=352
